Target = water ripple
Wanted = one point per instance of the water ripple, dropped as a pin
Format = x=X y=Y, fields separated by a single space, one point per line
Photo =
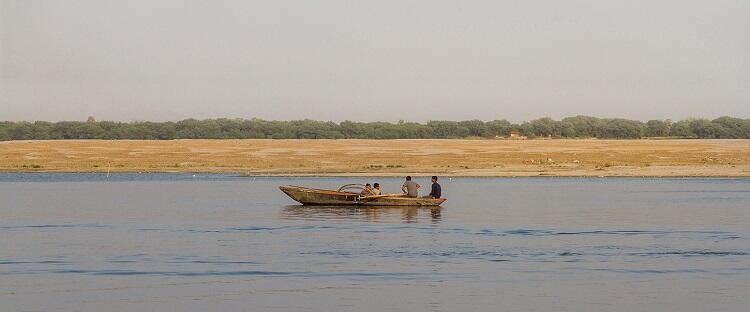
x=692 y=253
x=599 y=254
x=384 y=275
x=650 y=271
x=541 y=232
x=50 y=226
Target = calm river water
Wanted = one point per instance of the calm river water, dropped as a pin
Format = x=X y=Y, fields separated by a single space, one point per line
x=178 y=242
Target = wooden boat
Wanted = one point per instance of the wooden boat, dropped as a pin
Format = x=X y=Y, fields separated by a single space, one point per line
x=345 y=196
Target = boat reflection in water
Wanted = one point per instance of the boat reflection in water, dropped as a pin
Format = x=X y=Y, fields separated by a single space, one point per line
x=364 y=213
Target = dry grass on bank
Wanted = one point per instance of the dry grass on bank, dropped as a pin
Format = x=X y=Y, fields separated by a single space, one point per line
x=386 y=157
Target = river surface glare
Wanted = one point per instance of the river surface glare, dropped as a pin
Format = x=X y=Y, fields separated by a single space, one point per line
x=183 y=242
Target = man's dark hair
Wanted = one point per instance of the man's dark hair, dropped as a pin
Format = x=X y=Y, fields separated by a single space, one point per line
x=368 y=184
x=434 y=178
x=408 y=178
x=376 y=185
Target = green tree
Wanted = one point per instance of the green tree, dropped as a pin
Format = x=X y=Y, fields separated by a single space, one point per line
x=499 y=128
x=683 y=129
x=582 y=126
x=224 y=128
x=657 y=128
x=543 y=127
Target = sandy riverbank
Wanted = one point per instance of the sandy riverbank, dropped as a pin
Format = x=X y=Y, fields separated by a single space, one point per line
x=702 y=158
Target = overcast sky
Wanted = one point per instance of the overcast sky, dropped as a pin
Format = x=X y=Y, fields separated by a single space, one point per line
x=373 y=60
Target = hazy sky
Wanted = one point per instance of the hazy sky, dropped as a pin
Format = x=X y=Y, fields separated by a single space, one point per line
x=373 y=60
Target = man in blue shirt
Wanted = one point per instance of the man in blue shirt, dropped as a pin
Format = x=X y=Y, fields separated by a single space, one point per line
x=436 y=190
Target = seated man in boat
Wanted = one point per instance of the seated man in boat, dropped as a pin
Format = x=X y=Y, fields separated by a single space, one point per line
x=376 y=189
x=367 y=191
x=410 y=188
x=436 y=191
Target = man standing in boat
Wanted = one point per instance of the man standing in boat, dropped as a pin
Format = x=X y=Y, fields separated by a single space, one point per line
x=410 y=188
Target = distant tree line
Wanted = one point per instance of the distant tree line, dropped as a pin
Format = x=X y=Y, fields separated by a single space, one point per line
x=222 y=128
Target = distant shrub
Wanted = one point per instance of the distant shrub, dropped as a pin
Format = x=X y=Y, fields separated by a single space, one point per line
x=224 y=128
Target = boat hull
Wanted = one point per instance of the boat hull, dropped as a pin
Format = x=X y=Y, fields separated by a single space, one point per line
x=309 y=196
